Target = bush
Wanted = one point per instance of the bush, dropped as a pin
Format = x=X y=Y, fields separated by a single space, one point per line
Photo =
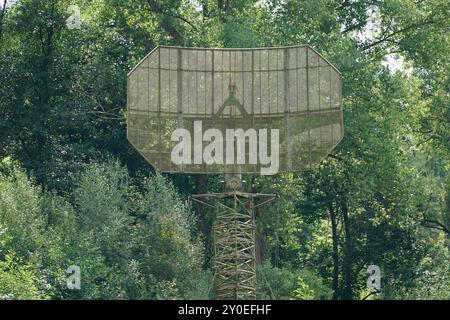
x=285 y=284
x=134 y=243
x=131 y=240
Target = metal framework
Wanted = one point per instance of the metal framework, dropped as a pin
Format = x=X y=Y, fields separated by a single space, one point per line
x=234 y=242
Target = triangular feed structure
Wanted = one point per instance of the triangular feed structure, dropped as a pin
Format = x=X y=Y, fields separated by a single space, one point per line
x=292 y=91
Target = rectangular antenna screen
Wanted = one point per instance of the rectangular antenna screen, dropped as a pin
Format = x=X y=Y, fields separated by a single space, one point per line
x=261 y=102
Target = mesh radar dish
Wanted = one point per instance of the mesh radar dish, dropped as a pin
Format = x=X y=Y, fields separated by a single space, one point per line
x=196 y=110
x=291 y=89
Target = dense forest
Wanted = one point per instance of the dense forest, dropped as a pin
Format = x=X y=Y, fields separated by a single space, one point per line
x=73 y=191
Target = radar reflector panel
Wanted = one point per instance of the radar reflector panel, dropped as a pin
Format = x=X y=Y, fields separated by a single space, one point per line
x=293 y=91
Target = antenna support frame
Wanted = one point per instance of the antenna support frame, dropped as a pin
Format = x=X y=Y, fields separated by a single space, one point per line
x=234 y=233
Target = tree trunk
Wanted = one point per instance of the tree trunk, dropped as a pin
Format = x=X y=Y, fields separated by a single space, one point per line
x=224 y=7
x=334 y=235
x=205 y=10
x=347 y=265
x=2 y=16
x=201 y=187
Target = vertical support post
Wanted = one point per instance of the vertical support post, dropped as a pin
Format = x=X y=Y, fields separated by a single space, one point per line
x=234 y=245
x=179 y=95
x=287 y=110
x=234 y=233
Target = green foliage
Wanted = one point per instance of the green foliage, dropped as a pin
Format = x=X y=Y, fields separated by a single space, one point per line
x=285 y=284
x=303 y=292
x=18 y=281
x=275 y=283
x=130 y=242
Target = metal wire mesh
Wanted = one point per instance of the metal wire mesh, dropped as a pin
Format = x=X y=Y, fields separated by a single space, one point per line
x=292 y=89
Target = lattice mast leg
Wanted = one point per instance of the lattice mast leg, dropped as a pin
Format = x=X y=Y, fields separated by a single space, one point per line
x=234 y=247
x=234 y=240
